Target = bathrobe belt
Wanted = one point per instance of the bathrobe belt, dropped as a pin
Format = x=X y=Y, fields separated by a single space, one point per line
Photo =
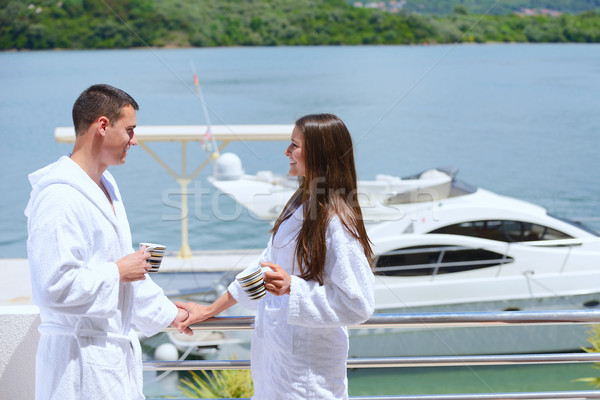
x=77 y=333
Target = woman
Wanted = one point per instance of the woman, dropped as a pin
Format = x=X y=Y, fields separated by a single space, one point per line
x=320 y=279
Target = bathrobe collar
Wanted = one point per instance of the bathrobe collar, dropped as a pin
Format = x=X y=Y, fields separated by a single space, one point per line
x=289 y=229
x=66 y=172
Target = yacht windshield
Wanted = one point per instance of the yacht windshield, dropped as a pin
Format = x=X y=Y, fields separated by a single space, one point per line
x=436 y=260
x=578 y=224
x=504 y=231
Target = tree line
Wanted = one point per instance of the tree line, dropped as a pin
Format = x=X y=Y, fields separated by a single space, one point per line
x=94 y=24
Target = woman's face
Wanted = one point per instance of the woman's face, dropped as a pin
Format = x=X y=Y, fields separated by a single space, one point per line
x=295 y=152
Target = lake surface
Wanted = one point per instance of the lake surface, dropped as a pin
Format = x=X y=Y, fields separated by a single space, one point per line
x=520 y=120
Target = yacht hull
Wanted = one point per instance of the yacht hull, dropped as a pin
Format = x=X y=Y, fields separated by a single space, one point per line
x=430 y=340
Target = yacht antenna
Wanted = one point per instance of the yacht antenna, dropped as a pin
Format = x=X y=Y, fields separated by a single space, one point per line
x=209 y=143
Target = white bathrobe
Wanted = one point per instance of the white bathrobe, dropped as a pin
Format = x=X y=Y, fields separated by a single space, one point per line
x=300 y=341
x=87 y=348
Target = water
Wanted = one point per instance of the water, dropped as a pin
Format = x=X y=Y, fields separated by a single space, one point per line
x=520 y=120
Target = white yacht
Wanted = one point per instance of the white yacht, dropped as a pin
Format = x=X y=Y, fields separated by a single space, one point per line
x=442 y=245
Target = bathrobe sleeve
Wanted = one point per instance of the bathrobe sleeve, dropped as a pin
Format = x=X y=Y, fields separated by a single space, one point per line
x=238 y=293
x=59 y=243
x=346 y=297
x=152 y=310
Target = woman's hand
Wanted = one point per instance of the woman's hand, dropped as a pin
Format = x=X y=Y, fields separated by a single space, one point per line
x=277 y=281
x=196 y=313
x=199 y=313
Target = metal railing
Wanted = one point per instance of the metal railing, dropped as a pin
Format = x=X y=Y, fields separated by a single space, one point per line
x=466 y=319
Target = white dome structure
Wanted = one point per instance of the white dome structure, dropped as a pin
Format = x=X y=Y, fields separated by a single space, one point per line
x=228 y=167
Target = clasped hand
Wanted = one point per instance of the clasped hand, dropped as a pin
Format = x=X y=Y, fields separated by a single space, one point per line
x=182 y=316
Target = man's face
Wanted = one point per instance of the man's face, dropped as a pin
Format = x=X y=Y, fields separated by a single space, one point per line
x=119 y=137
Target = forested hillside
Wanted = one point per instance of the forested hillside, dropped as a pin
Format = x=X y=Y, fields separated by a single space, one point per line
x=78 y=24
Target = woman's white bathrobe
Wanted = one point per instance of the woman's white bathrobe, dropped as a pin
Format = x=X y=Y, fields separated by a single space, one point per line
x=300 y=341
x=87 y=348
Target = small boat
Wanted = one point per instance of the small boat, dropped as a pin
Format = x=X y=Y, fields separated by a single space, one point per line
x=384 y=199
x=203 y=344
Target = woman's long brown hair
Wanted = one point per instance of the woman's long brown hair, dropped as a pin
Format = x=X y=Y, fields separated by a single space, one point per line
x=328 y=188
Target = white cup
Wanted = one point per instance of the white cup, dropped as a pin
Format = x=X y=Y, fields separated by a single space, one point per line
x=252 y=281
x=157 y=252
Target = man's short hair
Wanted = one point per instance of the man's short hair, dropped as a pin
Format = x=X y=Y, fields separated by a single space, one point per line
x=99 y=100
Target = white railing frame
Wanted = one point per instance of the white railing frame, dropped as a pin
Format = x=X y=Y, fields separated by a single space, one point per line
x=466 y=319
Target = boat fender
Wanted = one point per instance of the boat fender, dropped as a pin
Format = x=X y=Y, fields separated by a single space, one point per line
x=166 y=352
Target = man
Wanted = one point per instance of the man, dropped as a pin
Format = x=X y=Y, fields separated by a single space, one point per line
x=90 y=285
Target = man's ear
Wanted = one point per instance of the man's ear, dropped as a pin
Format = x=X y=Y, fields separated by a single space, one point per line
x=101 y=125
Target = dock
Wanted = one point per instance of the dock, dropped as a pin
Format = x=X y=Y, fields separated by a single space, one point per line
x=15 y=286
